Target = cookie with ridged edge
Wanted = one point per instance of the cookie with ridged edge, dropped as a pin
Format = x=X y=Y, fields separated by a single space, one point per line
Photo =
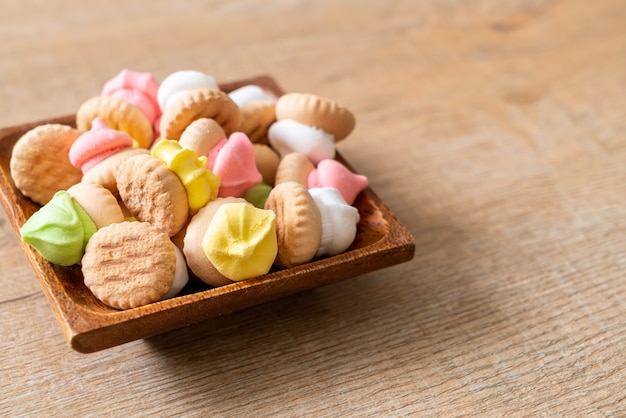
x=197 y=260
x=152 y=193
x=294 y=167
x=129 y=264
x=117 y=114
x=255 y=118
x=103 y=173
x=40 y=164
x=310 y=109
x=199 y=103
x=298 y=223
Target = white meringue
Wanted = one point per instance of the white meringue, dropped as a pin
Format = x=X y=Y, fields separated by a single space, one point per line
x=287 y=136
x=339 y=221
x=180 y=82
x=249 y=93
x=181 y=275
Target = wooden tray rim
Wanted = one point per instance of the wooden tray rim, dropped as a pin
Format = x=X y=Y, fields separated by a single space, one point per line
x=87 y=331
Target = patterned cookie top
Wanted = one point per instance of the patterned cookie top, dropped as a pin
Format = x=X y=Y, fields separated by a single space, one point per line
x=129 y=264
x=320 y=112
x=196 y=104
x=298 y=223
x=152 y=193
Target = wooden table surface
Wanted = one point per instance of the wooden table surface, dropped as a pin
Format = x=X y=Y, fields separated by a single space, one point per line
x=496 y=132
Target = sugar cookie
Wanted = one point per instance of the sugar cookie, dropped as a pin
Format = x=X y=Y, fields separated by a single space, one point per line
x=294 y=167
x=129 y=264
x=152 y=193
x=298 y=223
x=40 y=164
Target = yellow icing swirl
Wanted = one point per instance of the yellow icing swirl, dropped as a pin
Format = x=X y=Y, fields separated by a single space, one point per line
x=202 y=184
x=241 y=241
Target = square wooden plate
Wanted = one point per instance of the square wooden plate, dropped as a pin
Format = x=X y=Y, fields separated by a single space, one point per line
x=89 y=325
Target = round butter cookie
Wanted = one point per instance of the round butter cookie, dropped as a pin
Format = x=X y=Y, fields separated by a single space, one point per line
x=152 y=193
x=267 y=161
x=40 y=164
x=117 y=114
x=129 y=264
x=313 y=110
x=255 y=118
x=199 y=103
x=294 y=167
x=298 y=223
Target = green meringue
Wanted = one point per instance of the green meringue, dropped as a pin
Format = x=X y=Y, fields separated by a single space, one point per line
x=60 y=230
x=258 y=194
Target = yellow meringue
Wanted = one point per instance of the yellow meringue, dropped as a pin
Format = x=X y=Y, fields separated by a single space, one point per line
x=201 y=184
x=241 y=241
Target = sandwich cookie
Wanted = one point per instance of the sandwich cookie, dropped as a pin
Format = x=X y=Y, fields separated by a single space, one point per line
x=309 y=124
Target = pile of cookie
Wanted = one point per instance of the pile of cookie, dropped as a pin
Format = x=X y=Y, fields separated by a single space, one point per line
x=158 y=180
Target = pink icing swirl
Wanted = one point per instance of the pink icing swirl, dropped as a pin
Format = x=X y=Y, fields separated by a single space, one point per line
x=97 y=144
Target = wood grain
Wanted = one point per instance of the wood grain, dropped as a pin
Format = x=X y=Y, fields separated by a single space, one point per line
x=494 y=130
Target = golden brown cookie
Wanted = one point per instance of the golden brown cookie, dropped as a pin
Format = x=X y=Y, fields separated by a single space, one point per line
x=294 y=167
x=152 y=193
x=197 y=260
x=255 y=118
x=103 y=173
x=298 y=223
x=117 y=114
x=129 y=264
x=201 y=135
x=40 y=164
x=313 y=110
x=98 y=202
x=267 y=161
x=199 y=103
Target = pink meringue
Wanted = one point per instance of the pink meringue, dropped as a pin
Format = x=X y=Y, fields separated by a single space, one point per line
x=137 y=88
x=214 y=152
x=97 y=144
x=236 y=166
x=331 y=173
